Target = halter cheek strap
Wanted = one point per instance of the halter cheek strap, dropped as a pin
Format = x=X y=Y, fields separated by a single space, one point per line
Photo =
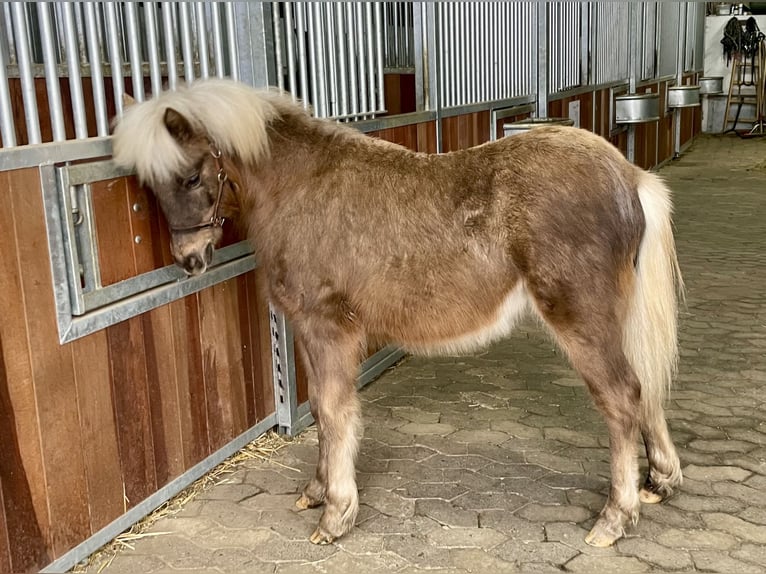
x=215 y=220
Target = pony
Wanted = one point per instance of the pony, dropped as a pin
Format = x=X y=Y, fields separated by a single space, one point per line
x=366 y=241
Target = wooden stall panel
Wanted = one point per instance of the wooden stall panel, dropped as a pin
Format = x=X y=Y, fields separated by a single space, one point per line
x=55 y=392
x=22 y=479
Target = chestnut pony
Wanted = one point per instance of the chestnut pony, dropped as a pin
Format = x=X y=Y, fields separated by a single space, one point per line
x=365 y=241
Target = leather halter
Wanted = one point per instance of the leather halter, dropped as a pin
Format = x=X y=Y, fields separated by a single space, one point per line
x=215 y=220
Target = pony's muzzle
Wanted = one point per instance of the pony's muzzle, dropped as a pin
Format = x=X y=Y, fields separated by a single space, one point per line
x=195 y=263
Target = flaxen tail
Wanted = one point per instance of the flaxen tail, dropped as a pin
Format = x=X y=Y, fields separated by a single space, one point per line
x=650 y=339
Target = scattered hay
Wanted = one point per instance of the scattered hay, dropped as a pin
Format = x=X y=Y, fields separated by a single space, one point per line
x=261 y=449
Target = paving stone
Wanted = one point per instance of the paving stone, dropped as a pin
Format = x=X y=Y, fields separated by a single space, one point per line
x=693 y=503
x=554 y=553
x=516 y=528
x=755 y=553
x=667 y=559
x=443 y=490
x=544 y=513
x=587 y=563
x=447 y=537
x=573 y=535
x=722 y=445
x=125 y=563
x=687 y=538
x=387 y=502
x=711 y=561
x=716 y=473
x=489 y=501
x=232 y=492
x=446 y=514
x=736 y=526
x=479 y=561
x=480 y=437
x=516 y=429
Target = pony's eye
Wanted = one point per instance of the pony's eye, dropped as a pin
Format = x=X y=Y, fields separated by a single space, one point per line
x=193 y=181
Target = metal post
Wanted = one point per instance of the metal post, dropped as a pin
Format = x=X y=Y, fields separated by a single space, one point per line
x=540 y=79
x=255 y=43
x=633 y=61
x=430 y=61
x=152 y=47
x=283 y=373
x=682 y=22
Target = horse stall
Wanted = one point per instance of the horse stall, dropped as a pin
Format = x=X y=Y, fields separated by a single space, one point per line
x=122 y=379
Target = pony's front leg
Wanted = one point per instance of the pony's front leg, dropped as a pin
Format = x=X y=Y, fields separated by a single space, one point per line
x=335 y=406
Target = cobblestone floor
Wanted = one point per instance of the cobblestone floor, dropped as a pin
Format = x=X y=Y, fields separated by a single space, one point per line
x=498 y=462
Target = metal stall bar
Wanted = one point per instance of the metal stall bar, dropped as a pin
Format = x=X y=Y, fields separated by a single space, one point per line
x=187 y=47
x=218 y=53
x=277 y=26
x=7 y=124
x=115 y=56
x=24 y=60
x=361 y=59
x=168 y=28
x=292 y=78
x=300 y=23
x=231 y=29
x=370 y=57
x=96 y=74
x=540 y=70
x=134 y=51
x=381 y=104
x=51 y=71
x=343 y=62
x=351 y=59
x=329 y=55
x=204 y=60
x=152 y=47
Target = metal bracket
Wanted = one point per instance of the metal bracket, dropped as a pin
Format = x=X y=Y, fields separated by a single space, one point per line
x=283 y=371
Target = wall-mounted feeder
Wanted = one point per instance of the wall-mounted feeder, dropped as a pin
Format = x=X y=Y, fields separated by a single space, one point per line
x=683 y=96
x=520 y=126
x=711 y=85
x=636 y=108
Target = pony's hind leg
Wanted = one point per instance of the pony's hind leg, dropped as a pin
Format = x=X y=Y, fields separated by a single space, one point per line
x=333 y=358
x=664 y=474
x=592 y=339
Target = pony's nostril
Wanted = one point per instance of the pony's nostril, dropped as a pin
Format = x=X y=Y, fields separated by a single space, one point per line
x=193 y=265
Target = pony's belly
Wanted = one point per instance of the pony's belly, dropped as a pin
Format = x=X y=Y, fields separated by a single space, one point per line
x=486 y=330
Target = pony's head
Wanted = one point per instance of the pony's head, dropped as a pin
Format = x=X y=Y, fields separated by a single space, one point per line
x=180 y=143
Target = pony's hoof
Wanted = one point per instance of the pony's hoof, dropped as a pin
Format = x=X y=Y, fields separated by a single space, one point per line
x=305 y=502
x=601 y=536
x=321 y=538
x=649 y=497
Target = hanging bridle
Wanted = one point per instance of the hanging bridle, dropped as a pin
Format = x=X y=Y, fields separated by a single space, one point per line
x=223 y=177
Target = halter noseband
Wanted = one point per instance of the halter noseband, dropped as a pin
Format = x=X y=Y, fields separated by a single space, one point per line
x=223 y=177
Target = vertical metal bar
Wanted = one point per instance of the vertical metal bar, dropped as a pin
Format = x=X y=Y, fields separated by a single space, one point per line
x=96 y=74
x=283 y=371
x=361 y=59
x=633 y=28
x=204 y=59
x=541 y=69
x=187 y=47
x=342 y=60
x=25 y=73
x=73 y=67
x=7 y=124
x=152 y=47
x=419 y=56
x=290 y=41
x=134 y=51
x=682 y=23
x=218 y=55
x=231 y=29
x=351 y=59
x=381 y=105
x=170 y=43
x=51 y=72
x=300 y=23
x=332 y=66
x=370 y=56
x=277 y=25
x=434 y=15
x=115 y=58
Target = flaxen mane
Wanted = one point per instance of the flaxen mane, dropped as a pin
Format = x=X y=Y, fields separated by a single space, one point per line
x=233 y=115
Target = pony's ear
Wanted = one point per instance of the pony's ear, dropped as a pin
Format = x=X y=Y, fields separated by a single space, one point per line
x=178 y=126
x=127 y=101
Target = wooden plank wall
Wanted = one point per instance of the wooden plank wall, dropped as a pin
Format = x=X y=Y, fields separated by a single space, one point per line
x=92 y=427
